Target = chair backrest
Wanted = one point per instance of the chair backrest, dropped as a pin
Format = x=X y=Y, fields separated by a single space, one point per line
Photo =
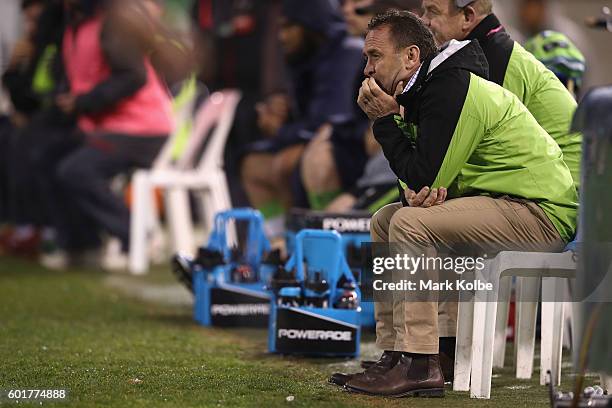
x=184 y=105
x=227 y=102
x=217 y=113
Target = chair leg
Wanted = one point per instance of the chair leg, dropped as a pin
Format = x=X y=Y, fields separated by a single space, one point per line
x=552 y=329
x=179 y=220
x=463 y=348
x=220 y=201
x=526 y=306
x=139 y=223
x=568 y=315
x=557 y=355
x=501 y=322
x=485 y=313
x=567 y=325
x=209 y=209
x=157 y=245
x=201 y=206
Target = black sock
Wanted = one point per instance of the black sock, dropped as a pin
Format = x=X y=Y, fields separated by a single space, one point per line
x=419 y=367
x=447 y=346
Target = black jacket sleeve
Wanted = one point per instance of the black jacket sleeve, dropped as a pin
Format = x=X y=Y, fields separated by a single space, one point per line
x=439 y=109
x=128 y=74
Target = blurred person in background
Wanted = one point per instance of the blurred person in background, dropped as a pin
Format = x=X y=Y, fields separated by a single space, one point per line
x=533 y=15
x=559 y=54
x=18 y=77
x=377 y=186
x=323 y=63
x=30 y=79
x=169 y=49
x=237 y=47
x=9 y=34
x=536 y=16
x=357 y=16
x=512 y=67
x=122 y=108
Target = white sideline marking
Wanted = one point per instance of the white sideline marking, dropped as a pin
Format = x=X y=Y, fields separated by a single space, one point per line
x=168 y=294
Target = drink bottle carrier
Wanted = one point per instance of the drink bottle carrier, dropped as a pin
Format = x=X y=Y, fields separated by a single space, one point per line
x=354 y=229
x=230 y=275
x=315 y=300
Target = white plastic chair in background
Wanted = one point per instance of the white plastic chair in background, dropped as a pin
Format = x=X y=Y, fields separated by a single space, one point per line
x=476 y=328
x=183 y=107
x=205 y=176
x=526 y=316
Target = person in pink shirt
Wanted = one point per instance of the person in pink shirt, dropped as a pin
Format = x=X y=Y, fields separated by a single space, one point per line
x=122 y=106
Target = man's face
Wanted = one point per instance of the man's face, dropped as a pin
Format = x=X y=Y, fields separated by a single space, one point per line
x=444 y=19
x=291 y=37
x=385 y=63
x=357 y=24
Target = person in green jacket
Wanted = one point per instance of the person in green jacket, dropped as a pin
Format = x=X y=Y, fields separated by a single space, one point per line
x=448 y=127
x=512 y=67
x=559 y=54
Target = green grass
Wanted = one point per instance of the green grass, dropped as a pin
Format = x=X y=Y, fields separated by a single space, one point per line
x=73 y=331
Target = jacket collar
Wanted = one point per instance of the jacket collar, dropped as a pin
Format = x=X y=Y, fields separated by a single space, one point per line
x=436 y=64
x=490 y=25
x=407 y=98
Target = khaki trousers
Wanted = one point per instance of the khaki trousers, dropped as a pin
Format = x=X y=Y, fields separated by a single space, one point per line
x=489 y=225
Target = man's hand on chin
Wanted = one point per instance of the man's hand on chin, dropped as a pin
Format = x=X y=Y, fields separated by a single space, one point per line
x=375 y=102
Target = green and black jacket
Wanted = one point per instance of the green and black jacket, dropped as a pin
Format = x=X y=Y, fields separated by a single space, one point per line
x=518 y=71
x=473 y=137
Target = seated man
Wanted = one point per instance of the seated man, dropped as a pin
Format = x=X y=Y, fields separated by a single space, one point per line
x=323 y=63
x=508 y=185
x=511 y=67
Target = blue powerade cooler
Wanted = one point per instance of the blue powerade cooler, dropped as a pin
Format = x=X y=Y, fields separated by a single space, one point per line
x=230 y=275
x=354 y=228
x=315 y=307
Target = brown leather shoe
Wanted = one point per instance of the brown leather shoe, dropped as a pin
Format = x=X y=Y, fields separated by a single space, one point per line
x=387 y=361
x=447 y=363
x=417 y=375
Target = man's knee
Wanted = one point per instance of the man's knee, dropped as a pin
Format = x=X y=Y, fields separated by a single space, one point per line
x=286 y=161
x=412 y=224
x=253 y=164
x=318 y=168
x=381 y=220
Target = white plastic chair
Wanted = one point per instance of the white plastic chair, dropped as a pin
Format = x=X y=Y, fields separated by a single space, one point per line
x=183 y=107
x=477 y=319
x=526 y=316
x=205 y=176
